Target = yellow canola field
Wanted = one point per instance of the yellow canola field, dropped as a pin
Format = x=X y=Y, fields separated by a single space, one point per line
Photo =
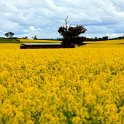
x=37 y=41
x=62 y=86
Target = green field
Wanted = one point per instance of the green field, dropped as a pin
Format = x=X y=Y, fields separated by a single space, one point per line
x=9 y=40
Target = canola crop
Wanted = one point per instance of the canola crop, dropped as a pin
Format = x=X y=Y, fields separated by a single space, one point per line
x=62 y=86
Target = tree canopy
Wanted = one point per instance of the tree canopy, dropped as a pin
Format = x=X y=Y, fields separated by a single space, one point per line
x=9 y=34
x=71 y=34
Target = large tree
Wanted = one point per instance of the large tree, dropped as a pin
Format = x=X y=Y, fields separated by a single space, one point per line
x=71 y=35
x=9 y=34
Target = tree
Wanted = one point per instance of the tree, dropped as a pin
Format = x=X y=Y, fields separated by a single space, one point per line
x=71 y=35
x=25 y=37
x=9 y=34
x=35 y=37
x=105 y=38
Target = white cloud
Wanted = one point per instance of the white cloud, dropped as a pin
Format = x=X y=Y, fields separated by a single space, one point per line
x=43 y=17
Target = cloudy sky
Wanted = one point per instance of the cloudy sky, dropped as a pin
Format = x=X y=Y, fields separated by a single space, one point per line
x=44 y=17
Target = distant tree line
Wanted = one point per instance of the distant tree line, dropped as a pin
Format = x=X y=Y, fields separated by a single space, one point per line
x=120 y=37
x=97 y=38
x=103 y=38
x=10 y=36
x=70 y=35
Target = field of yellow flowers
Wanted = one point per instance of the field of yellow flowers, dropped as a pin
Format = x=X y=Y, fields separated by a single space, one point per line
x=62 y=86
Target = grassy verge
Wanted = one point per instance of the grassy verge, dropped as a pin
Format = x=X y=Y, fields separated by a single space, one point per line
x=9 y=40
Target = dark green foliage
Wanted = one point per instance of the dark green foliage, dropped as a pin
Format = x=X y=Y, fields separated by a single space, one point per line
x=71 y=35
x=35 y=37
x=105 y=38
x=9 y=34
x=98 y=38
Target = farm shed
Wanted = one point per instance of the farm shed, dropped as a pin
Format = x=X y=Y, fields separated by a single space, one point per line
x=43 y=45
